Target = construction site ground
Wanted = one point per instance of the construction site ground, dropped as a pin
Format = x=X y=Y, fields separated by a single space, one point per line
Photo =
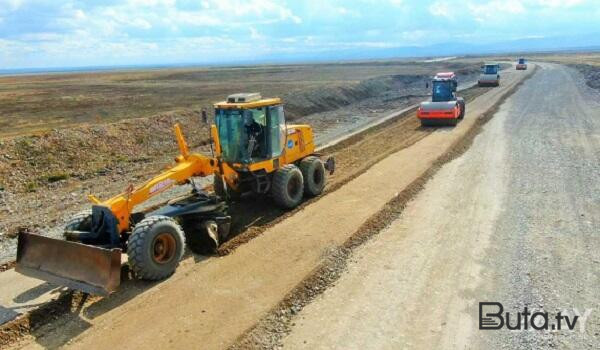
x=410 y=234
x=290 y=237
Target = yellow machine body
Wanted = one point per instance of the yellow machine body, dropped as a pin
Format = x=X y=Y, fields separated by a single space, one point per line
x=299 y=143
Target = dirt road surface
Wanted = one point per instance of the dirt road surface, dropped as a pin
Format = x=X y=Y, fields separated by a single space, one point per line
x=515 y=220
x=209 y=303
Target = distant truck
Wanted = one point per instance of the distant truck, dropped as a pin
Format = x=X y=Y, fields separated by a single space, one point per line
x=490 y=75
x=521 y=64
x=445 y=108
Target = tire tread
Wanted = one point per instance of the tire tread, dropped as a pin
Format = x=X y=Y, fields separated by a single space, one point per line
x=135 y=248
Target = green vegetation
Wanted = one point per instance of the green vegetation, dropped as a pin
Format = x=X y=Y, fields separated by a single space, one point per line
x=31 y=187
x=56 y=177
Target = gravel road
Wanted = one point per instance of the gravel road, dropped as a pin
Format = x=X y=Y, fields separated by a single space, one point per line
x=515 y=220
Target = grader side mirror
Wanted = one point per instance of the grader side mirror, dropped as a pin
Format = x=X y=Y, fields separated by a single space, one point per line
x=426 y=85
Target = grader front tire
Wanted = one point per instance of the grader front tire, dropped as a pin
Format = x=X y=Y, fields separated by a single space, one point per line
x=155 y=248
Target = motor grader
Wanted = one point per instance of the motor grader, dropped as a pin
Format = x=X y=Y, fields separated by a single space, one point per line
x=254 y=151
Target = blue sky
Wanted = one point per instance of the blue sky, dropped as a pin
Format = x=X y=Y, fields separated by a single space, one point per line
x=53 y=33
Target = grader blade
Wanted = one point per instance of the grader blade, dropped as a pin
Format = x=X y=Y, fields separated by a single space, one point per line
x=78 y=266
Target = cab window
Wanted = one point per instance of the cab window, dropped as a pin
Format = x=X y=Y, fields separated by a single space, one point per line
x=277 y=130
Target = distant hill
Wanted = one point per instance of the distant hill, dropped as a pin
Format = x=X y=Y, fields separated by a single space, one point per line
x=588 y=42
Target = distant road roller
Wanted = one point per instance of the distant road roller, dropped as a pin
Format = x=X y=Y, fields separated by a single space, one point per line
x=254 y=151
x=521 y=64
x=490 y=75
x=445 y=107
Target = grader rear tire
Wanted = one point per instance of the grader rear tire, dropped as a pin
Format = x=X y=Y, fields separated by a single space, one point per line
x=287 y=186
x=155 y=247
x=313 y=172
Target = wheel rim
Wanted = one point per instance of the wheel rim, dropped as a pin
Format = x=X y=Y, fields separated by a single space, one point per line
x=293 y=186
x=163 y=248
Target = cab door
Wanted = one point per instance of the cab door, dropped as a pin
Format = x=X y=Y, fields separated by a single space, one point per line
x=277 y=130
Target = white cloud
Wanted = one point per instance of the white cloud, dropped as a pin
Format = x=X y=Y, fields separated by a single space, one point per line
x=151 y=3
x=13 y=5
x=414 y=36
x=140 y=23
x=41 y=36
x=167 y=31
x=441 y=9
x=254 y=34
x=498 y=10
x=147 y=14
x=495 y=9
x=260 y=8
x=560 y=3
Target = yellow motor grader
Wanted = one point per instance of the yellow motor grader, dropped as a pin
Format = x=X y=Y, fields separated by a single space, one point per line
x=254 y=151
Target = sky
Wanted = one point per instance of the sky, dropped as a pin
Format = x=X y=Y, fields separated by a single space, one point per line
x=73 y=33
